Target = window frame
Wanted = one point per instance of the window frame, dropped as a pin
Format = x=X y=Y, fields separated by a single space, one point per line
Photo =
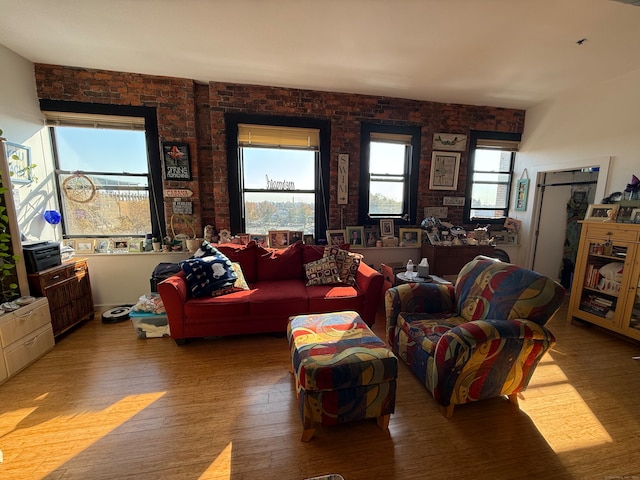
x=474 y=137
x=156 y=202
x=232 y=120
x=411 y=173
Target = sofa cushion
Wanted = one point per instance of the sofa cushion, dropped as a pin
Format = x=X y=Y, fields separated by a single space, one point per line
x=334 y=298
x=284 y=297
x=245 y=255
x=239 y=285
x=311 y=253
x=322 y=272
x=207 y=274
x=204 y=309
x=279 y=264
x=347 y=262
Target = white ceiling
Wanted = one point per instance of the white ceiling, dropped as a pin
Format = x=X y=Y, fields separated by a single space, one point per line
x=509 y=53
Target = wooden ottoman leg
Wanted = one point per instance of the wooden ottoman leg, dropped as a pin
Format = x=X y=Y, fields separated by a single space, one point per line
x=383 y=421
x=307 y=433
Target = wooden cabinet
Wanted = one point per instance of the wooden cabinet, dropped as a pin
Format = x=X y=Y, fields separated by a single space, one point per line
x=606 y=281
x=25 y=336
x=449 y=260
x=68 y=289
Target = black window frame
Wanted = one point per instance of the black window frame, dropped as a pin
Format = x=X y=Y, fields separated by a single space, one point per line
x=474 y=137
x=156 y=201
x=232 y=120
x=411 y=172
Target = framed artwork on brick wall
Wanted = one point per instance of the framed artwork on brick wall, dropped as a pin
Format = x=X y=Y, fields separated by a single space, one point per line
x=176 y=161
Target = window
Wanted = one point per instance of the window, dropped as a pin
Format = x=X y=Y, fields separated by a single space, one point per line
x=388 y=173
x=276 y=178
x=489 y=179
x=103 y=175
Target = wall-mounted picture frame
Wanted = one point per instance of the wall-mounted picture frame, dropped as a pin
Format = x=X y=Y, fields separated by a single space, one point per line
x=387 y=228
x=434 y=238
x=260 y=238
x=444 y=171
x=356 y=236
x=278 y=238
x=176 y=161
x=336 y=237
x=522 y=195
x=19 y=160
x=371 y=235
x=635 y=215
x=598 y=212
x=295 y=236
x=85 y=245
x=410 y=237
x=449 y=141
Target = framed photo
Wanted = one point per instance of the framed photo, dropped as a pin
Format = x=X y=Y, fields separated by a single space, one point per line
x=176 y=161
x=135 y=245
x=444 y=171
x=244 y=238
x=625 y=210
x=84 y=245
x=449 y=141
x=102 y=245
x=410 y=237
x=295 y=236
x=371 y=235
x=386 y=228
x=356 y=236
x=260 y=239
x=336 y=237
x=522 y=194
x=434 y=238
x=19 y=160
x=598 y=212
x=512 y=224
x=278 y=238
x=308 y=239
x=635 y=215
x=121 y=244
x=69 y=242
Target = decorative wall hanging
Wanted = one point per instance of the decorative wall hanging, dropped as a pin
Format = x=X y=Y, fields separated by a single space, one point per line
x=444 y=171
x=177 y=164
x=343 y=179
x=19 y=158
x=449 y=141
x=522 y=192
x=453 y=201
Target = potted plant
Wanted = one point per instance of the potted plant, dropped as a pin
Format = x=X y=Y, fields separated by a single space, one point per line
x=157 y=244
x=8 y=273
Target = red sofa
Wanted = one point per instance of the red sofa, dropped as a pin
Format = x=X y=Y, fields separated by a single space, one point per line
x=277 y=290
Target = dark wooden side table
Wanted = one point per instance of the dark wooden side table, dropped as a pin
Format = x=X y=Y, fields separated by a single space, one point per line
x=449 y=260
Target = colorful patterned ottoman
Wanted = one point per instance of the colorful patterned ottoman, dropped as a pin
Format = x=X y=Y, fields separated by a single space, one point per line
x=343 y=372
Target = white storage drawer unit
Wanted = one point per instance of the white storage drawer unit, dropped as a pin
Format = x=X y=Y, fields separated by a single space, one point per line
x=25 y=336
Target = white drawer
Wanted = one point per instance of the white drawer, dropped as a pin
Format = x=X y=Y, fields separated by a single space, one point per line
x=28 y=349
x=15 y=325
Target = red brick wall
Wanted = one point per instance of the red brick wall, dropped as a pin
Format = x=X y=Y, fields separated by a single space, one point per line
x=195 y=113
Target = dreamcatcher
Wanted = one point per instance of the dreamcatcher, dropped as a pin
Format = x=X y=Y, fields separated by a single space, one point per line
x=79 y=188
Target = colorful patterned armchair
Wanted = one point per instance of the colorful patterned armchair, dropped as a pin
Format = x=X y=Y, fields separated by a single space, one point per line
x=480 y=339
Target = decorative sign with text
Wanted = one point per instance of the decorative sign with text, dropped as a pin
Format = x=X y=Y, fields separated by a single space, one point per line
x=185 y=208
x=177 y=164
x=343 y=179
x=178 y=193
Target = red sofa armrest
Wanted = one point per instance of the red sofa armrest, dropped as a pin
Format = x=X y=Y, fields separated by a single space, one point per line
x=174 y=293
x=370 y=284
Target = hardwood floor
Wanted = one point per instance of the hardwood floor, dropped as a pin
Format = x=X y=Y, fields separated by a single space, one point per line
x=107 y=405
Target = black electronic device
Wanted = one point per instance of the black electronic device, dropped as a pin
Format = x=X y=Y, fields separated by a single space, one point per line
x=41 y=255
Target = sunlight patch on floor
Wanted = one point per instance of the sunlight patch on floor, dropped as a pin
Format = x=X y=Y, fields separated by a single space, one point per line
x=220 y=469
x=579 y=429
x=86 y=427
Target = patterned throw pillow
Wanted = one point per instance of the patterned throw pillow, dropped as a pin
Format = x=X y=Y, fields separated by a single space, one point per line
x=347 y=262
x=322 y=272
x=207 y=274
x=239 y=285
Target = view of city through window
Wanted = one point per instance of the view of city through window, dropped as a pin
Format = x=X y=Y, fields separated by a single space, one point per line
x=491 y=179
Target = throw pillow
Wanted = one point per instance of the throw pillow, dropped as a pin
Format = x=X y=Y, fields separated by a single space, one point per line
x=205 y=250
x=206 y=274
x=239 y=285
x=322 y=272
x=348 y=263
